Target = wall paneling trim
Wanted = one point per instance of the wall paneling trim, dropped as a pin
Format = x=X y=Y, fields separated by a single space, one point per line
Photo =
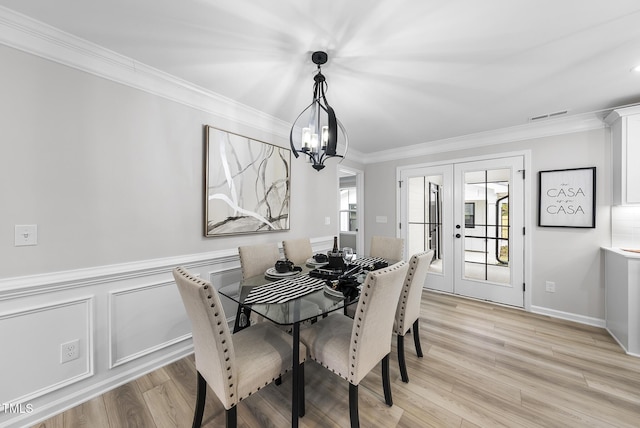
x=129 y=320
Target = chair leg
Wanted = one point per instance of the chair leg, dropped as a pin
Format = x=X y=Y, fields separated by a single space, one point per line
x=416 y=338
x=201 y=394
x=386 y=384
x=401 y=362
x=231 y=417
x=353 y=406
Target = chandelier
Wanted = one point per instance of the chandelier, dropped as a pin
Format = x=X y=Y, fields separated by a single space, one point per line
x=315 y=130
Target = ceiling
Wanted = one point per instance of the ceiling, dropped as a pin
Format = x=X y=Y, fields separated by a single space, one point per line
x=400 y=72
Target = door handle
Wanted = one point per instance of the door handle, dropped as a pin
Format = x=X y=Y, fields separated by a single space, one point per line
x=458 y=235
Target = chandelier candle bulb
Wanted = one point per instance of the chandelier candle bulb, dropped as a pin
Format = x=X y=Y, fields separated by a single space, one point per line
x=325 y=136
x=306 y=138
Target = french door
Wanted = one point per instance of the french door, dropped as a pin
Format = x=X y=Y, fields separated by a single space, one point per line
x=471 y=214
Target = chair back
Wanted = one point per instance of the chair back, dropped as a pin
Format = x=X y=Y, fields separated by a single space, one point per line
x=387 y=247
x=214 y=352
x=409 y=304
x=297 y=250
x=256 y=259
x=373 y=320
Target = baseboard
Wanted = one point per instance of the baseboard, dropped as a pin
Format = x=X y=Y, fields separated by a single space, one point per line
x=43 y=412
x=581 y=319
x=633 y=354
x=596 y=322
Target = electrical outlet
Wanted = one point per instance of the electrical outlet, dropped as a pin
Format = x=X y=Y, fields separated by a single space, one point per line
x=26 y=234
x=69 y=351
x=550 y=286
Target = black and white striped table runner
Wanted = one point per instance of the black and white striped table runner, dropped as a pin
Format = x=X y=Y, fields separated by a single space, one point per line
x=284 y=290
x=367 y=262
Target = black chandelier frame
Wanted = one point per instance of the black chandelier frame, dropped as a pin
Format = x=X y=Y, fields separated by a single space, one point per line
x=328 y=149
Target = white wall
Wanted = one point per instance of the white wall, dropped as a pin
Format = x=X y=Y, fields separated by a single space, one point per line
x=569 y=257
x=113 y=177
x=111 y=174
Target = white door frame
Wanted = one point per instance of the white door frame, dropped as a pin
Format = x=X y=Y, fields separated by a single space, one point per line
x=360 y=203
x=530 y=204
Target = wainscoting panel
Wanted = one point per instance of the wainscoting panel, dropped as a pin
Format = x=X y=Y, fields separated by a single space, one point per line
x=31 y=340
x=145 y=319
x=129 y=320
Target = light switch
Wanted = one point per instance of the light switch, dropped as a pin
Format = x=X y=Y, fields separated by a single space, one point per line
x=327 y=220
x=381 y=219
x=26 y=234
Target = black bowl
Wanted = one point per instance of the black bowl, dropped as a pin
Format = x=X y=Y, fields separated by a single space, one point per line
x=320 y=258
x=283 y=266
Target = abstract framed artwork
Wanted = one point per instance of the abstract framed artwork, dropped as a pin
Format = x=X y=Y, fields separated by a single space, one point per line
x=247 y=185
x=566 y=198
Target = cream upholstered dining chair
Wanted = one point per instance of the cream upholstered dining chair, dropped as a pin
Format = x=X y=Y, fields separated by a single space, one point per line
x=297 y=250
x=408 y=311
x=234 y=366
x=256 y=259
x=352 y=347
x=387 y=248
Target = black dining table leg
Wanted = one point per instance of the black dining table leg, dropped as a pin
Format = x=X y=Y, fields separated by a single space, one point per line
x=295 y=398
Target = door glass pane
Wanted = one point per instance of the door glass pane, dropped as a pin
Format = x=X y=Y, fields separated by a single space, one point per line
x=486 y=226
x=424 y=216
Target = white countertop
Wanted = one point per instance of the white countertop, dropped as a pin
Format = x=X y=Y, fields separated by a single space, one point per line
x=622 y=252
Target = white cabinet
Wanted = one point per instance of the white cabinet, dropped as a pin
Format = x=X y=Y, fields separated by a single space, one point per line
x=625 y=132
x=622 y=291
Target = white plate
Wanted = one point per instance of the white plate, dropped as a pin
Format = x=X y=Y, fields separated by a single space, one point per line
x=272 y=272
x=314 y=264
x=330 y=291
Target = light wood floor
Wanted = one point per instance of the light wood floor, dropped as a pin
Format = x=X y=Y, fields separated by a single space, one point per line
x=483 y=366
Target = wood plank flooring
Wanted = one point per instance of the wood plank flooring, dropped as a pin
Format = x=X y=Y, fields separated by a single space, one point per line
x=484 y=366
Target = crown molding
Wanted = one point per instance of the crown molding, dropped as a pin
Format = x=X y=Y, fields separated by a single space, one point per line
x=621 y=112
x=578 y=123
x=37 y=38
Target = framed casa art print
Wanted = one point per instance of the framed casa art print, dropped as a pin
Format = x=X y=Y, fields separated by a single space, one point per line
x=246 y=185
x=567 y=198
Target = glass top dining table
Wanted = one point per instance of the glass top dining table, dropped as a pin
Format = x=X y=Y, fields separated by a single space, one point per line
x=299 y=309
x=291 y=313
x=291 y=300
